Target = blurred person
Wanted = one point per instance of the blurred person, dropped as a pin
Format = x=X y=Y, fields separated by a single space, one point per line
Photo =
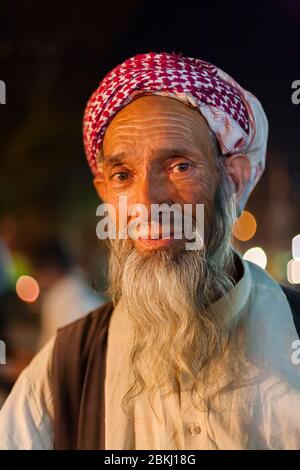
x=194 y=351
x=65 y=295
x=17 y=323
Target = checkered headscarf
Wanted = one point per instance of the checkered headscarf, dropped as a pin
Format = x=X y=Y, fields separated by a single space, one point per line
x=234 y=115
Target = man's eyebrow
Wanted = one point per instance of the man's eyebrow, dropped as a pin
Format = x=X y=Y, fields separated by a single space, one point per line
x=119 y=159
x=114 y=160
x=174 y=152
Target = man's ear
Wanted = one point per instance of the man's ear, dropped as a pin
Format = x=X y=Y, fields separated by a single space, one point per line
x=239 y=169
x=100 y=185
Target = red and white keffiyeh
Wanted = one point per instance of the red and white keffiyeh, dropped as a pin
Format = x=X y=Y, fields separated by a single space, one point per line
x=234 y=115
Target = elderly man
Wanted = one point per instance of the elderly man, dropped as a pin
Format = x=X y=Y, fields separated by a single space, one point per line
x=195 y=350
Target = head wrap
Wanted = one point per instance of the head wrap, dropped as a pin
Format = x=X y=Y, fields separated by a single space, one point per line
x=233 y=114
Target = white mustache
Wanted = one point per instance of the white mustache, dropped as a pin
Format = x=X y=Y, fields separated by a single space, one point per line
x=184 y=227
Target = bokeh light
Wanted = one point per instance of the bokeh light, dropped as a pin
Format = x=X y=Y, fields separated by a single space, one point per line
x=256 y=255
x=27 y=289
x=296 y=247
x=293 y=271
x=245 y=226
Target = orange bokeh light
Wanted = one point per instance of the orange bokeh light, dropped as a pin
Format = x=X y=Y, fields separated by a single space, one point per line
x=27 y=289
x=245 y=227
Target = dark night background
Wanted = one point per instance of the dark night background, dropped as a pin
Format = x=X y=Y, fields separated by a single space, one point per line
x=52 y=56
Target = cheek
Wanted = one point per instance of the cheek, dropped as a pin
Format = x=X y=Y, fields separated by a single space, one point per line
x=200 y=191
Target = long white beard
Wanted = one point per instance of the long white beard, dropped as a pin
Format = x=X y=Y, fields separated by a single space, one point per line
x=169 y=295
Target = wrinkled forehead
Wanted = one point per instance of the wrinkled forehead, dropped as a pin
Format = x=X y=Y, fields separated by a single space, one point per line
x=157 y=121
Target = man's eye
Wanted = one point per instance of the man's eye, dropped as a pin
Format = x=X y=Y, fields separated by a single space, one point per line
x=181 y=167
x=120 y=176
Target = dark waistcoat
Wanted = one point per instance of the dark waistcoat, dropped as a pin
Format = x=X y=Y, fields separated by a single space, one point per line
x=78 y=374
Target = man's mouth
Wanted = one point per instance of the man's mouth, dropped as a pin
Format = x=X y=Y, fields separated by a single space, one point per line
x=152 y=243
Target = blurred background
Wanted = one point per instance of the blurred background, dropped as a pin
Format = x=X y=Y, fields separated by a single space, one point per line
x=52 y=56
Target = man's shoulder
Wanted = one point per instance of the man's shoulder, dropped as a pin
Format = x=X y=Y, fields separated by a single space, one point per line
x=271 y=291
x=27 y=415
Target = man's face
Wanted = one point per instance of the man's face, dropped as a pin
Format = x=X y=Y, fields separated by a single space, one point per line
x=158 y=150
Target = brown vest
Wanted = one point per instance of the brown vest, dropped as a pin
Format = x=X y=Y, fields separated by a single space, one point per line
x=78 y=373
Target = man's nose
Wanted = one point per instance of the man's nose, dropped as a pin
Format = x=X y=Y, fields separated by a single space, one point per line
x=152 y=190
